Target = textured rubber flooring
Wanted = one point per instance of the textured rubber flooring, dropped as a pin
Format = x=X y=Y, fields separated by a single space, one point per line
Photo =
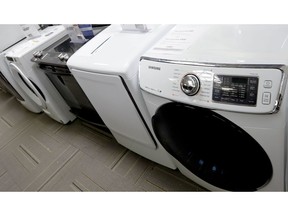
x=39 y=154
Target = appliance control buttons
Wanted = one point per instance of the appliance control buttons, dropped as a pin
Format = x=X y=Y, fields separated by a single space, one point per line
x=266 y=98
x=61 y=56
x=267 y=84
x=190 y=84
x=66 y=57
x=37 y=54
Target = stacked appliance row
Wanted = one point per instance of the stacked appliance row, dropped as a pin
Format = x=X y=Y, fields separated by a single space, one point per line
x=31 y=85
x=208 y=100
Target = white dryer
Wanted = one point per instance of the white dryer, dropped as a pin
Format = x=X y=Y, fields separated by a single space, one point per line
x=12 y=35
x=217 y=97
x=35 y=84
x=107 y=70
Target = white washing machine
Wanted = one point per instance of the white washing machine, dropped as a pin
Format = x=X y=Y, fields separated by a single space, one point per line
x=12 y=35
x=106 y=68
x=35 y=84
x=217 y=97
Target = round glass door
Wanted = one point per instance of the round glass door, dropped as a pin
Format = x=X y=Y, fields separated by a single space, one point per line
x=30 y=88
x=212 y=147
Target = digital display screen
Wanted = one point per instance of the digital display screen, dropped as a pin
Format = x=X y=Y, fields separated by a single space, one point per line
x=239 y=80
x=235 y=89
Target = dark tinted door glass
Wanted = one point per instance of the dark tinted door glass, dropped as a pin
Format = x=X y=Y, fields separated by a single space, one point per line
x=212 y=147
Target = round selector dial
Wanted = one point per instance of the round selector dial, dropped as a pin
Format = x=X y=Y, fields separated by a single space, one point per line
x=190 y=84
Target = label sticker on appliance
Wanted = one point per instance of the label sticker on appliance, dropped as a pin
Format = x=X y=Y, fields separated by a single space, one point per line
x=176 y=41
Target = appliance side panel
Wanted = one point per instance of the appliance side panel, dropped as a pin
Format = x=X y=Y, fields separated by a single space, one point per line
x=111 y=100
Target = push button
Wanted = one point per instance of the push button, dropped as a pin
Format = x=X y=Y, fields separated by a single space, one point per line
x=267 y=84
x=266 y=98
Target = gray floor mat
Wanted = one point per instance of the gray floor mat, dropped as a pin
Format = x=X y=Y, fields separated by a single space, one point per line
x=40 y=154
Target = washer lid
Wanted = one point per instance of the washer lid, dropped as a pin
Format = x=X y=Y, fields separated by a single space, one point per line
x=114 y=51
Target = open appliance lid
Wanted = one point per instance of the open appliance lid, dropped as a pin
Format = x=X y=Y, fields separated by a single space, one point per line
x=46 y=35
x=114 y=51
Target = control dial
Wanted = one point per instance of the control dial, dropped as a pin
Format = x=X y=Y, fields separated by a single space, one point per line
x=38 y=54
x=66 y=57
x=190 y=84
x=61 y=56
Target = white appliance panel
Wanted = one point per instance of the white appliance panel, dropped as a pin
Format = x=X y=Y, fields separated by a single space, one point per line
x=120 y=117
x=9 y=35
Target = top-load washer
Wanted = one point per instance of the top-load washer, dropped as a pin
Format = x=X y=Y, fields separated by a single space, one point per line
x=106 y=68
x=217 y=97
x=12 y=35
x=35 y=84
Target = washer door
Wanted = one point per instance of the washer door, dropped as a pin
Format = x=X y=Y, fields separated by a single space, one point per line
x=212 y=147
x=32 y=90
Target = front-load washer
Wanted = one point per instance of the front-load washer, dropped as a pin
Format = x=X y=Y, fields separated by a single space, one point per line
x=217 y=98
x=12 y=35
x=106 y=68
x=35 y=84
x=14 y=88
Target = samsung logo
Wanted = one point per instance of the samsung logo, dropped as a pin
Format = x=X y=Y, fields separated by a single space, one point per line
x=154 y=68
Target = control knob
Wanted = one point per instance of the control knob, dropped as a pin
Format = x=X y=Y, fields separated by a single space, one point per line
x=37 y=54
x=190 y=84
x=61 y=56
x=66 y=57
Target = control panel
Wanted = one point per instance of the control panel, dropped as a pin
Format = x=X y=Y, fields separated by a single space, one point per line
x=50 y=58
x=251 y=90
x=41 y=54
x=235 y=89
